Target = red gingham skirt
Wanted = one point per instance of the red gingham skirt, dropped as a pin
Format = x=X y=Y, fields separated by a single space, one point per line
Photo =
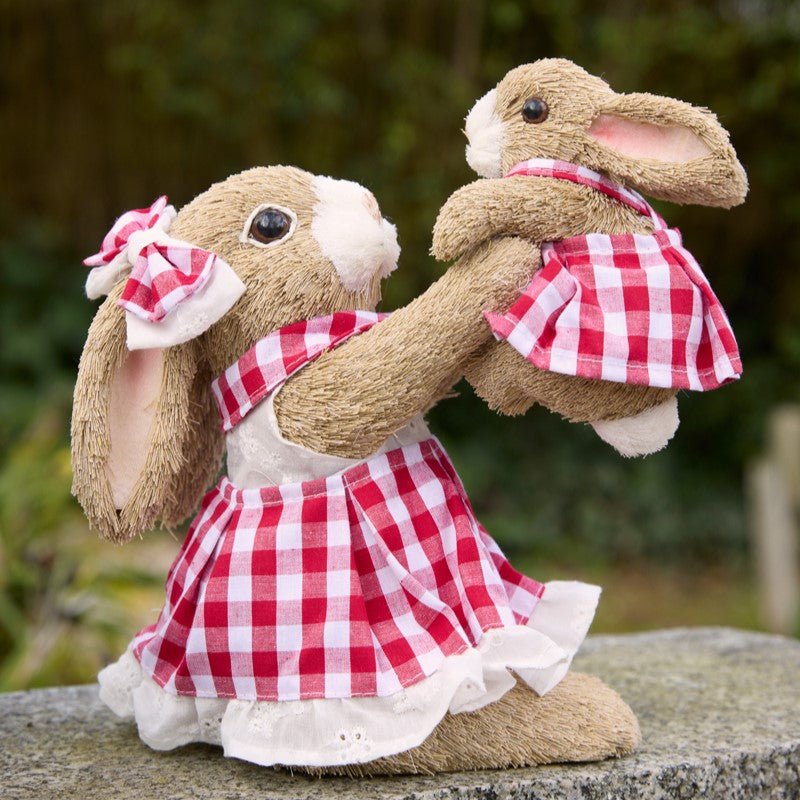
x=629 y=308
x=355 y=585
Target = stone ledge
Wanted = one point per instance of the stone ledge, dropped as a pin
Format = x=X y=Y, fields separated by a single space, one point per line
x=719 y=709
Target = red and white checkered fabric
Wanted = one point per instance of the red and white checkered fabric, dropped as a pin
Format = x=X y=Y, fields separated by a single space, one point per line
x=355 y=585
x=629 y=308
x=116 y=240
x=165 y=271
x=273 y=359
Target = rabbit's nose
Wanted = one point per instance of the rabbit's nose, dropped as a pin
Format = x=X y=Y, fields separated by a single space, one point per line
x=485 y=133
x=352 y=234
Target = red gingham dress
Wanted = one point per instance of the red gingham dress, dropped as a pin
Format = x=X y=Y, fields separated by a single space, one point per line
x=630 y=308
x=354 y=585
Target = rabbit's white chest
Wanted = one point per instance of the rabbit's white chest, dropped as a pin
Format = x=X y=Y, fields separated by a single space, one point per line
x=259 y=455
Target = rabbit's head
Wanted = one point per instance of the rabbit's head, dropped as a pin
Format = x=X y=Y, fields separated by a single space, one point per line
x=664 y=148
x=146 y=435
x=303 y=245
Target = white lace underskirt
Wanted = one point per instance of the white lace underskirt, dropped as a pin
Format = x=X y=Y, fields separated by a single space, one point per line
x=327 y=732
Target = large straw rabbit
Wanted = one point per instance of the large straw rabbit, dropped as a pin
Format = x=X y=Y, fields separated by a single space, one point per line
x=287 y=246
x=665 y=148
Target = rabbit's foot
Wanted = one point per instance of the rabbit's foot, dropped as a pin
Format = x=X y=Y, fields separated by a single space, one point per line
x=581 y=719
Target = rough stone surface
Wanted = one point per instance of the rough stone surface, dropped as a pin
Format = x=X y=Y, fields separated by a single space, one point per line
x=719 y=709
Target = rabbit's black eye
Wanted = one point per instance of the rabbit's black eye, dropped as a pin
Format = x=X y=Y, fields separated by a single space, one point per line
x=535 y=110
x=269 y=225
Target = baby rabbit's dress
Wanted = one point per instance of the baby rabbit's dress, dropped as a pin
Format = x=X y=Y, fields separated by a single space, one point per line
x=324 y=610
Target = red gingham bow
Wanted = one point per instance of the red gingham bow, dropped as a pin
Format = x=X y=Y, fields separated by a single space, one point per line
x=629 y=308
x=165 y=271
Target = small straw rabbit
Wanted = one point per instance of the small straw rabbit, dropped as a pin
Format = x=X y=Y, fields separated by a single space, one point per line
x=620 y=317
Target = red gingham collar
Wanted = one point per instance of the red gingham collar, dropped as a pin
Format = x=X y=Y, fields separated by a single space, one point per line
x=566 y=171
x=274 y=359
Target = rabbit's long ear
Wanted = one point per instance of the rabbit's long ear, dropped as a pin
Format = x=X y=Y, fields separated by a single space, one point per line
x=145 y=437
x=667 y=149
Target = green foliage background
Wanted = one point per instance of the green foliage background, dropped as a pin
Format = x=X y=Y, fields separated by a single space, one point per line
x=105 y=105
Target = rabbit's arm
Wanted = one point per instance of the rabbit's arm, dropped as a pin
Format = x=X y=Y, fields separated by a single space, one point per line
x=539 y=209
x=353 y=398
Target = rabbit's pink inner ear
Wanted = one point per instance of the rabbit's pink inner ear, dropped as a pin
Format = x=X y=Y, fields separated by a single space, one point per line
x=672 y=144
x=132 y=408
